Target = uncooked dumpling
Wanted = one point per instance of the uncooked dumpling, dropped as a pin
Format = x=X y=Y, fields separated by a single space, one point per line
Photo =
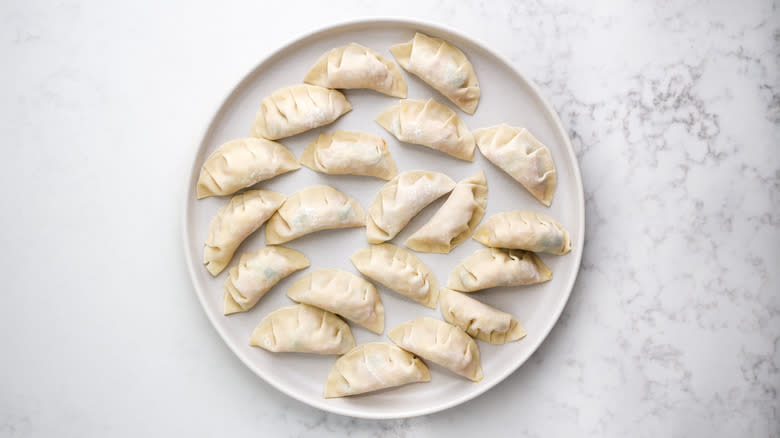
x=401 y=199
x=242 y=163
x=441 y=343
x=400 y=270
x=256 y=273
x=524 y=229
x=234 y=222
x=313 y=209
x=374 y=366
x=522 y=156
x=478 y=319
x=342 y=293
x=296 y=109
x=455 y=220
x=429 y=123
x=350 y=153
x=443 y=66
x=493 y=267
x=303 y=329
x=355 y=66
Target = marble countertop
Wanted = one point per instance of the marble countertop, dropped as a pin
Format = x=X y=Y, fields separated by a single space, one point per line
x=673 y=328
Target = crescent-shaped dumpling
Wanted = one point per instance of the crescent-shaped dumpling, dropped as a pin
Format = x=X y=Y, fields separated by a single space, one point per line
x=478 y=319
x=256 y=273
x=297 y=109
x=401 y=199
x=350 y=153
x=303 y=329
x=493 y=267
x=313 y=209
x=356 y=66
x=441 y=343
x=443 y=66
x=234 y=222
x=524 y=229
x=374 y=366
x=429 y=123
x=455 y=220
x=400 y=270
x=522 y=156
x=242 y=163
x=341 y=293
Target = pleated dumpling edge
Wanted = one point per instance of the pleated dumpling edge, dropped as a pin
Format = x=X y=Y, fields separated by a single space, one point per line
x=356 y=66
x=442 y=66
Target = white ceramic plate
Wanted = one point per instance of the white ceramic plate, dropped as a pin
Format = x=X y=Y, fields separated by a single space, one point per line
x=507 y=96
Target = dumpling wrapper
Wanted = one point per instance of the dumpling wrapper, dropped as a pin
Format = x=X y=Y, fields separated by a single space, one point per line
x=256 y=273
x=478 y=319
x=242 y=163
x=455 y=220
x=234 y=222
x=401 y=199
x=522 y=156
x=441 y=343
x=400 y=270
x=374 y=366
x=313 y=209
x=524 y=229
x=442 y=66
x=350 y=153
x=297 y=109
x=303 y=329
x=356 y=66
x=429 y=123
x=341 y=293
x=493 y=267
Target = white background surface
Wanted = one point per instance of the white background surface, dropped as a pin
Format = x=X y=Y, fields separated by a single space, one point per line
x=673 y=327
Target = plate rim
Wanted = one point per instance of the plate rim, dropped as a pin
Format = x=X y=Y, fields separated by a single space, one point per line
x=342 y=25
